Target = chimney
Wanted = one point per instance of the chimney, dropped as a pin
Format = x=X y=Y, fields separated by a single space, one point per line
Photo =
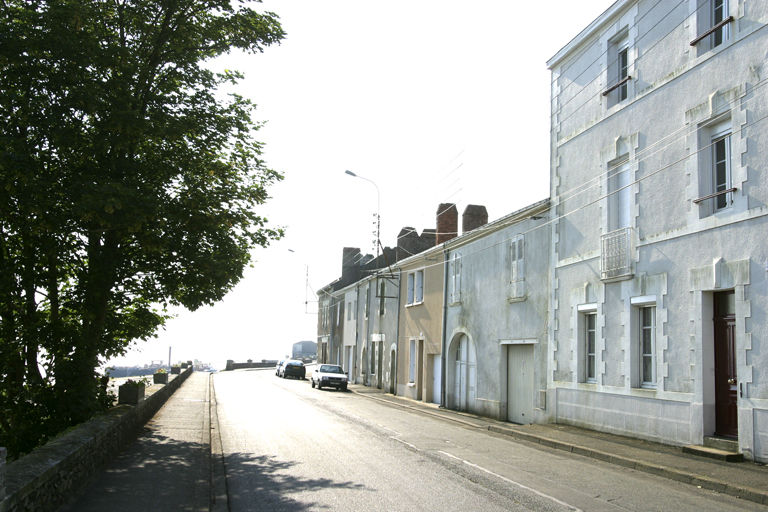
x=350 y=265
x=405 y=242
x=473 y=217
x=447 y=223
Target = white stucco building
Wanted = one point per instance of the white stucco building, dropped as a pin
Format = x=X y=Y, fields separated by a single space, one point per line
x=659 y=188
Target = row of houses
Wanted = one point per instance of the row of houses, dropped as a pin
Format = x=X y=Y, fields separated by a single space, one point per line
x=634 y=299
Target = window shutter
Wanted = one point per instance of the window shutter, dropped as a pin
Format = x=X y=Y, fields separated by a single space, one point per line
x=517 y=266
x=520 y=267
x=458 y=278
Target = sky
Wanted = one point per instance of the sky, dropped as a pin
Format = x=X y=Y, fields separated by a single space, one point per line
x=432 y=100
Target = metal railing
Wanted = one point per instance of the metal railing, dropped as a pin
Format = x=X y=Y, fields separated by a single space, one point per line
x=616 y=253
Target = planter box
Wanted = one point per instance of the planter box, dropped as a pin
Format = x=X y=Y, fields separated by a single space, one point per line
x=183 y=366
x=129 y=394
x=160 y=378
x=175 y=370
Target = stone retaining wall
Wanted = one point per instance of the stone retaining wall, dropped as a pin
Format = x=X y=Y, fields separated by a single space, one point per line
x=46 y=478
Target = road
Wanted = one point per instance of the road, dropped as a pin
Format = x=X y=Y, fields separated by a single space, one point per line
x=290 y=447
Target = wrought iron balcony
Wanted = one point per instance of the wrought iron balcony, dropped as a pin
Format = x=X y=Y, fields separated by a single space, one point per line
x=616 y=254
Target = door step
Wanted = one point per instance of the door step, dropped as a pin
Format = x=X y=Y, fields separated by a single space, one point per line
x=716 y=448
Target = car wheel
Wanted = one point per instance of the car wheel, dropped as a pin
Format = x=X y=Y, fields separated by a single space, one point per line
x=319 y=386
x=313 y=383
x=344 y=387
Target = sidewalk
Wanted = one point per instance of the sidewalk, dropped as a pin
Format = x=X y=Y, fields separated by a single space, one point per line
x=745 y=480
x=167 y=467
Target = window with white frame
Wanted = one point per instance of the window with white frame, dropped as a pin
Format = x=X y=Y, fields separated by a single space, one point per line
x=713 y=24
x=367 y=300
x=349 y=311
x=354 y=310
x=590 y=344
x=517 y=266
x=647 y=349
x=617 y=89
x=619 y=194
x=455 y=278
x=416 y=287
x=412 y=362
x=715 y=178
x=338 y=313
x=419 y=286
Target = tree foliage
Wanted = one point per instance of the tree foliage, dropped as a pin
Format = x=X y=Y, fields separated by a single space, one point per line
x=125 y=183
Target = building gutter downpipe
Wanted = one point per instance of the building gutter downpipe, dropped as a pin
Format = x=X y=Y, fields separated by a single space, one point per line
x=444 y=347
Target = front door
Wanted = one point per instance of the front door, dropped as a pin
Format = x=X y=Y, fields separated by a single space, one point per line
x=726 y=385
x=520 y=383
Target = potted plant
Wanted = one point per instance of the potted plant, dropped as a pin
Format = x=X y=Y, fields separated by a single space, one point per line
x=175 y=369
x=160 y=376
x=132 y=392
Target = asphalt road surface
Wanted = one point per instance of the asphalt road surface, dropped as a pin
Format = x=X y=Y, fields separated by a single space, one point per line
x=288 y=447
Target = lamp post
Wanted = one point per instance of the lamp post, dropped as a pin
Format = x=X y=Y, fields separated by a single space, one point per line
x=378 y=215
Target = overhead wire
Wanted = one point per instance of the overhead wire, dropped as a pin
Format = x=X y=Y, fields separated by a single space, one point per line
x=575 y=191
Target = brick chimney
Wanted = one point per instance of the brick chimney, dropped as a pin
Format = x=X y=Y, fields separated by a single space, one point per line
x=447 y=223
x=473 y=217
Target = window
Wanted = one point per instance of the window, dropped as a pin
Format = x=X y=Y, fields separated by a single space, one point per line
x=719 y=13
x=382 y=293
x=590 y=360
x=713 y=24
x=420 y=286
x=647 y=337
x=349 y=311
x=354 y=310
x=721 y=170
x=623 y=66
x=715 y=180
x=455 y=278
x=517 y=266
x=367 y=300
x=618 y=70
x=412 y=363
x=619 y=199
x=416 y=287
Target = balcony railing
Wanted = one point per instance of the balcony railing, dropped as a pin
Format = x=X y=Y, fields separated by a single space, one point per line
x=615 y=254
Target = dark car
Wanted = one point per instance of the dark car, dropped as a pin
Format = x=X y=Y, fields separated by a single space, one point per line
x=293 y=369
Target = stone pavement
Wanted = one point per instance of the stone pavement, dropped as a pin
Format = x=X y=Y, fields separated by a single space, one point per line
x=745 y=480
x=168 y=467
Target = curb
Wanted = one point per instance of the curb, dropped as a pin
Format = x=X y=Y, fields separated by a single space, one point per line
x=677 y=475
x=754 y=495
x=219 y=496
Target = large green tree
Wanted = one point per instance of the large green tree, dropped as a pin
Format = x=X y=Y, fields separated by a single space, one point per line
x=126 y=184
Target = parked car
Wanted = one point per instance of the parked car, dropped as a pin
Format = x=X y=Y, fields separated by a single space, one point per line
x=278 y=367
x=293 y=369
x=329 y=375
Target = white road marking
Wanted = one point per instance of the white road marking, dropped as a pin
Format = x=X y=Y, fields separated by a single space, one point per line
x=575 y=509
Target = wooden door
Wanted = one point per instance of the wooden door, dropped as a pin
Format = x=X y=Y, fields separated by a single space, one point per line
x=726 y=385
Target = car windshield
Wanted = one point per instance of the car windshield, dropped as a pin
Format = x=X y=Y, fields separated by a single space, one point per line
x=330 y=369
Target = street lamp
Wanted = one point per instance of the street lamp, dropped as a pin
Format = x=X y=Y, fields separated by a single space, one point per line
x=378 y=216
